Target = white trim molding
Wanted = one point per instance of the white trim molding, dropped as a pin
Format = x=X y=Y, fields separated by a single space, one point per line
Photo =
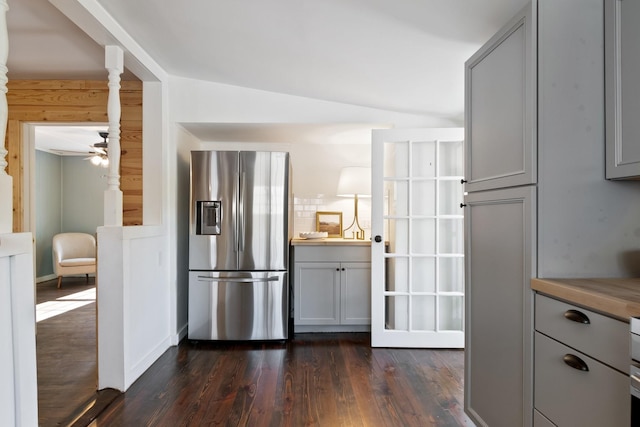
x=6 y=182
x=114 y=62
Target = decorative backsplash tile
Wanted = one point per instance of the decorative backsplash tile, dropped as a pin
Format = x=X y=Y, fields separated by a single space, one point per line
x=304 y=212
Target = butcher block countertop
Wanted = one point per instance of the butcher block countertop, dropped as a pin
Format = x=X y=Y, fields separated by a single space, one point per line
x=619 y=298
x=331 y=241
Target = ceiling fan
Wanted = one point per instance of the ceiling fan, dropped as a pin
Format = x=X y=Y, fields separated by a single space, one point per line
x=99 y=156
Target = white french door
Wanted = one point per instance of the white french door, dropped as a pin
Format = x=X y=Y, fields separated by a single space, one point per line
x=417 y=255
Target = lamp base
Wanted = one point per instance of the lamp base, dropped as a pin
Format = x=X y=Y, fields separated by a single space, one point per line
x=354 y=230
x=355 y=233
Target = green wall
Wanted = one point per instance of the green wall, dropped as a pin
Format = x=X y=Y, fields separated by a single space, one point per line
x=48 y=208
x=69 y=194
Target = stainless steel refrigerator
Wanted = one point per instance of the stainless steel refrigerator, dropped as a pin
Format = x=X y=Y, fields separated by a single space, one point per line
x=239 y=245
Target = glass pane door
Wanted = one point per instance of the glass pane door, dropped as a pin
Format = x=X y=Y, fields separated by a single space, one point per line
x=417 y=267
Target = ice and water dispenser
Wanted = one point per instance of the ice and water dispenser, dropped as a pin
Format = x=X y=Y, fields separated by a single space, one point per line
x=209 y=217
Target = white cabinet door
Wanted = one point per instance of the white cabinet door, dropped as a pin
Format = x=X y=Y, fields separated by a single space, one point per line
x=317 y=293
x=500 y=109
x=355 y=282
x=499 y=255
x=622 y=68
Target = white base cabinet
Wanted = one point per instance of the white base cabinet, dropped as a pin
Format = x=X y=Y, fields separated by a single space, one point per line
x=332 y=288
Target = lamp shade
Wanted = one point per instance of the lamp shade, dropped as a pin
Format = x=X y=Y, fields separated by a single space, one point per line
x=354 y=181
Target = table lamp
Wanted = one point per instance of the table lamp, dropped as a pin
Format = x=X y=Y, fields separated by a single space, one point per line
x=354 y=181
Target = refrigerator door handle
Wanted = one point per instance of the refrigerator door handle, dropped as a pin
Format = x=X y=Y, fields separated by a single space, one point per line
x=241 y=213
x=238 y=279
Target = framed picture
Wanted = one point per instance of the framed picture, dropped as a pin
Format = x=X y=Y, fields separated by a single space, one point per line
x=331 y=222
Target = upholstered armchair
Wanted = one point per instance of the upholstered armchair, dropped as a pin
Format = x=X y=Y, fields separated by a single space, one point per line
x=74 y=253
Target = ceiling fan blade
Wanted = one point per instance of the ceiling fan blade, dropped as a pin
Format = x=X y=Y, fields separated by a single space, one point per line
x=69 y=152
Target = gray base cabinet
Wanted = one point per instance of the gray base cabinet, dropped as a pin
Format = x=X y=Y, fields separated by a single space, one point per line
x=498 y=331
x=332 y=288
x=579 y=367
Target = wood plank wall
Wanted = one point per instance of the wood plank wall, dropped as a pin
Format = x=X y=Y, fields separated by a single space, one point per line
x=76 y=101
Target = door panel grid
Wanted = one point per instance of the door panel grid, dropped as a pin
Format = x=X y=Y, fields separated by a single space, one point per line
x=422 y=293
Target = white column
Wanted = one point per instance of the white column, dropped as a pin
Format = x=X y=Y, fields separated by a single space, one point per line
x=6 y=182
x=114 y=62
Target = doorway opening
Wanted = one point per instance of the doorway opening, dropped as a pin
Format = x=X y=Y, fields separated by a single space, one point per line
x=64 y=192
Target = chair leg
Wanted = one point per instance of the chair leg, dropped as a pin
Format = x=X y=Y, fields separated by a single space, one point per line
x=59 y=281
x=87 y=277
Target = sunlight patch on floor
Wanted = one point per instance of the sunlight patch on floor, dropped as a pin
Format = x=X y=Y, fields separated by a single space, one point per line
x=61 y=305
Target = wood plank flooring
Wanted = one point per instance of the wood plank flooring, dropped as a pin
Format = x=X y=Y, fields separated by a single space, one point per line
x=66 y=354
x=311 y=380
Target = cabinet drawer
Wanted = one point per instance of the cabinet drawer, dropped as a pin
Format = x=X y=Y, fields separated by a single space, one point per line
x=603 y=338
x=571 y=397
x=328 y=253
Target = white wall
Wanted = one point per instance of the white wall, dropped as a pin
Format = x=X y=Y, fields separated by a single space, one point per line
x=133 y=318
x=196 y=101
x=18 y=374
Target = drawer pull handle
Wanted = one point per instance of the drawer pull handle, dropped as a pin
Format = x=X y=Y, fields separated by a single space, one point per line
x=575 y=362
x=577 y=316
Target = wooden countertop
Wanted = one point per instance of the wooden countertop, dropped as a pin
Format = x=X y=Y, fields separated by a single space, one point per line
x=331 y=241
x=619 y=298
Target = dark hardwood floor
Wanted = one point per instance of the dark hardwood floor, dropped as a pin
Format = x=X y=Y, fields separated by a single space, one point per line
x=312 y=380
x=66 y=353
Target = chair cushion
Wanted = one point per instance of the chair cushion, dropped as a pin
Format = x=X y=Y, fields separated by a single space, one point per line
x=75 y=262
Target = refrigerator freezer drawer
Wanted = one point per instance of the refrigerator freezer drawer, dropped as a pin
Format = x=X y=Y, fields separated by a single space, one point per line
x=238 y=305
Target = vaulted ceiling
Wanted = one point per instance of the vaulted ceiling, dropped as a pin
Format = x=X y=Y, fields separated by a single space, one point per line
x=404 y=56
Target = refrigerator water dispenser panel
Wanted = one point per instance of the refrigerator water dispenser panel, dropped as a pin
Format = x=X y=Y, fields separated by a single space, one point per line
x=209 y=217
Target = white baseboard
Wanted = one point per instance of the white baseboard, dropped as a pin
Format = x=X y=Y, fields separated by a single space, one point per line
x=53 y=276
x=182 y=333
x=45 y=278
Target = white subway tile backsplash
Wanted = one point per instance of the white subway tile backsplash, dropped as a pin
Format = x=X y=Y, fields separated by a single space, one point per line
x=305 y=212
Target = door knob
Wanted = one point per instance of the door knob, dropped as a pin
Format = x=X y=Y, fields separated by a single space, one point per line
x=378 y=239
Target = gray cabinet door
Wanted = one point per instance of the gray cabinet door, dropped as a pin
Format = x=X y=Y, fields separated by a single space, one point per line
x=355 y=284
x=499 y=255
x=622 y=67
x=500 y=109
x=317 y=293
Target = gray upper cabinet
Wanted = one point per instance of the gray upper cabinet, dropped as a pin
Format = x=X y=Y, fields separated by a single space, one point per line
x=500 y=148
x=622 y=68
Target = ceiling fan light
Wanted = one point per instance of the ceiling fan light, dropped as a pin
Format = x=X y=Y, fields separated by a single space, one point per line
x=104 y=162
x=96 y=160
